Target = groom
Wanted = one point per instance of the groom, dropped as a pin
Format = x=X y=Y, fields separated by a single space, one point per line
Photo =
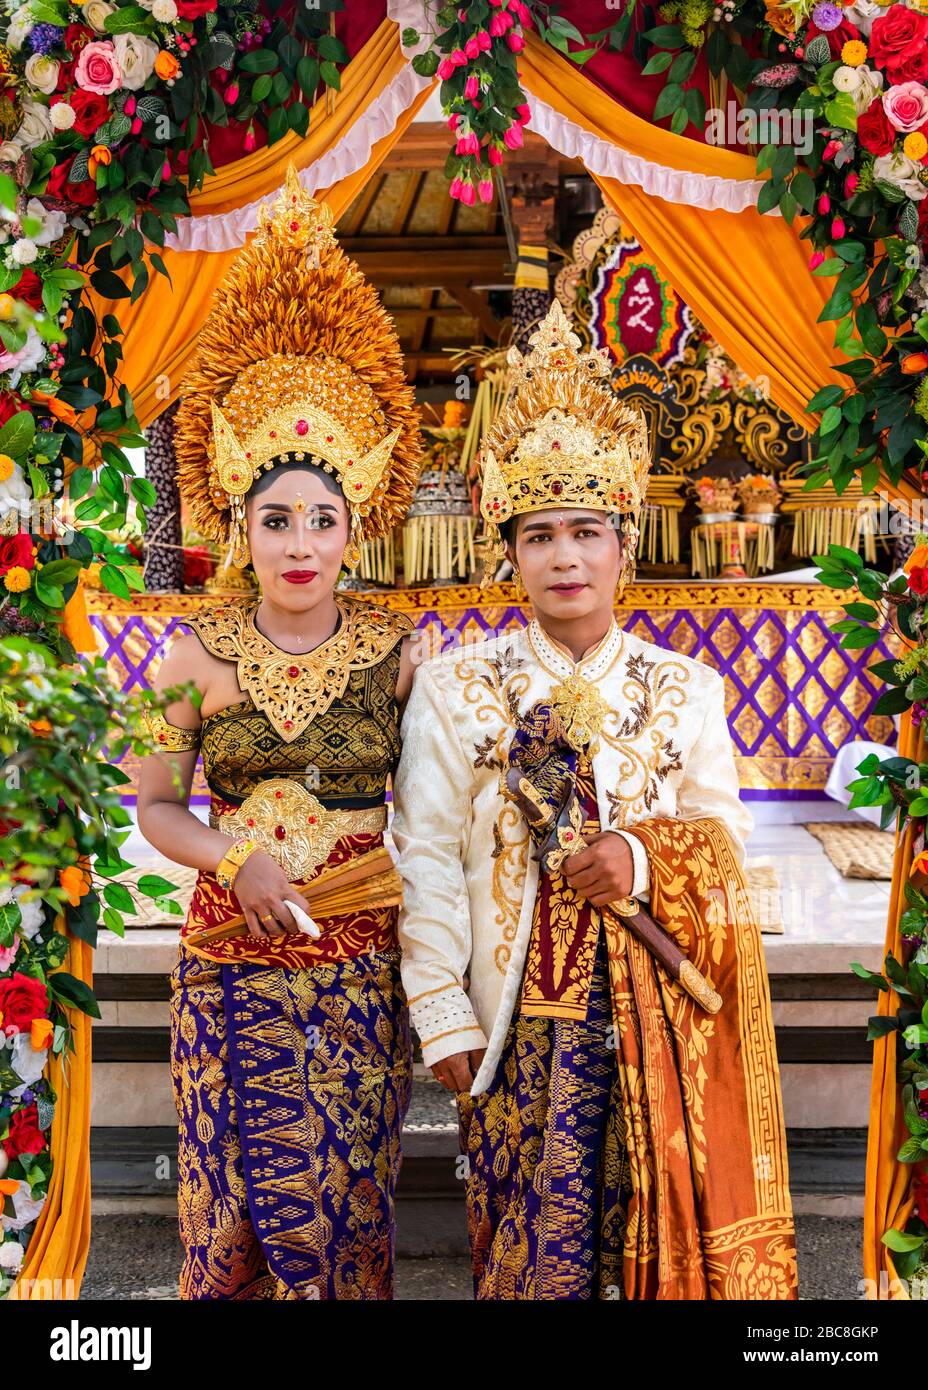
x=622 y=1140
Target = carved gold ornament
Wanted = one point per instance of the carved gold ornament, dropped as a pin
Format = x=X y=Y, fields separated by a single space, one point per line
x=582 y=711
x=291 y=824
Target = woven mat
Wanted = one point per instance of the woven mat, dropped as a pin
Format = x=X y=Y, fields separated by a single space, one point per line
x=856 y=849
x=764 y=888
x=763 y=884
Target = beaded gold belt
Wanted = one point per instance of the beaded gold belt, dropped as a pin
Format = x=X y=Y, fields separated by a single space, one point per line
x=293 y=826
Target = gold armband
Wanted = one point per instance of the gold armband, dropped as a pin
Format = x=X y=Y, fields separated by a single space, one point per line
x=170 y=738
x=232 y=861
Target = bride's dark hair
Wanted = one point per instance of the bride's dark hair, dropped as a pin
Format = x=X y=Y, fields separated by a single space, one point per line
x=287 y=461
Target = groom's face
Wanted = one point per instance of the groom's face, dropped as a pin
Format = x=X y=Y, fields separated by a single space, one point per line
x=569 y=559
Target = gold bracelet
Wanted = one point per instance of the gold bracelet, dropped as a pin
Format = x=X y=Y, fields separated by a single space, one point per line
x=232 y=861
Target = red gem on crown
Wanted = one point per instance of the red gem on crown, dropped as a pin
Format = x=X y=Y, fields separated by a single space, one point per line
x=280 y=832
x=301 y=426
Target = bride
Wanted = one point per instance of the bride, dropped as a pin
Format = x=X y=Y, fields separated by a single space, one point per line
x=290 y=1045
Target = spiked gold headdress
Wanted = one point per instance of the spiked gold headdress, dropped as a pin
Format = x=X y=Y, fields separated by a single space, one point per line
x=563 y=438
x=297 y=359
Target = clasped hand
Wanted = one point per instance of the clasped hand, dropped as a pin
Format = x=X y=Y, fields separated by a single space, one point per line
x=263 y=890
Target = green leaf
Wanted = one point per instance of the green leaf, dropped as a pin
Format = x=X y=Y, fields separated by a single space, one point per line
x=682 y=67
x=828 y=395
x=154 y=886
x=113 y=920
x=665 y=36
x=331 y=76
x=74 y=992
x=840 y=111
x=261 y=88
x=898 y=1240
x=658 y=62
x=118 y=896
x=307 y=74
x=259 y=60
x=17 y=434
x=668 y=99
x=113 y=580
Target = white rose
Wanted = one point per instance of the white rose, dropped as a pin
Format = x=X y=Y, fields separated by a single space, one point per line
x=136 y=57
x=24 y=251
x=95 y=12
x=42 y=73
x=36 y=126
x=20 y=28
x=12 y=1255
x=862 y=84
x=165 y=11
x=25 y=1207
x=10 y=152
x=31 y=913
x=14 y=492
x=62 y=115
x=901 y=172
x=28 y=1064
x=53 y=222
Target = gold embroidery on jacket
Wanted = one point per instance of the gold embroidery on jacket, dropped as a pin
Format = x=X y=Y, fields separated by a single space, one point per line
x=654 y=691
x=495 y=686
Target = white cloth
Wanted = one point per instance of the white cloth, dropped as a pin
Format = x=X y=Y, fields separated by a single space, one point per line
x=844 y=769
x=463 y=850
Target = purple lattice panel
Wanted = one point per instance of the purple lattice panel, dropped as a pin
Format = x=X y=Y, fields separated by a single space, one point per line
x=794 y=695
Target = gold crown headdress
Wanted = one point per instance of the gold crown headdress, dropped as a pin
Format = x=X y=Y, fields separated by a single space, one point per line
x=297 y=360
x=563 y=439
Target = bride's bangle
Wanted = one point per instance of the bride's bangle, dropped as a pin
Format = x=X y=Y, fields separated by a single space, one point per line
x=232 y=861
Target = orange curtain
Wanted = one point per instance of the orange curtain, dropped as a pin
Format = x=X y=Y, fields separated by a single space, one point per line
x=160 y=329
x=745 y=276
x=57 y=1252
x=886 y=1199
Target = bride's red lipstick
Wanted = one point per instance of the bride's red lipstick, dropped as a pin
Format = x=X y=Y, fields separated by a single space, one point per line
x=299 y=576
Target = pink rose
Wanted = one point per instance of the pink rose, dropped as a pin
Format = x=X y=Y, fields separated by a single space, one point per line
x=906 y=106
x=8 y=955
x=98 y=69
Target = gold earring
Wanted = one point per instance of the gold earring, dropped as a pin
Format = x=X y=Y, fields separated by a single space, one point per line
x=517 y=583
x=352 y=556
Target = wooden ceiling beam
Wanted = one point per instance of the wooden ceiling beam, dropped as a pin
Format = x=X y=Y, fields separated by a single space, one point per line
x=426 y=145
x=438 y=270
x=477 y=306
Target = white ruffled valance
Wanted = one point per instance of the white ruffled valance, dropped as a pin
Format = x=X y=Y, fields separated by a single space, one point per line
x=228 y=230
x=611 y=161
x=224 y=231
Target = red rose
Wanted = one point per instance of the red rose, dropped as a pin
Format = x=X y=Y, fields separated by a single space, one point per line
x=10 y=404
x=76 y=37
x=21 y=1000
x=874 y=130
x=918 y=580
x=24 y=1137
x=896 y=38
x=16 y=550
x=91 y=110
x=84 y=194
x=28 y=288
x=193 y=9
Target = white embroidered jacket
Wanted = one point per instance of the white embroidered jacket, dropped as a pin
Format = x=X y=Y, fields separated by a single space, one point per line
x=463 y=850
